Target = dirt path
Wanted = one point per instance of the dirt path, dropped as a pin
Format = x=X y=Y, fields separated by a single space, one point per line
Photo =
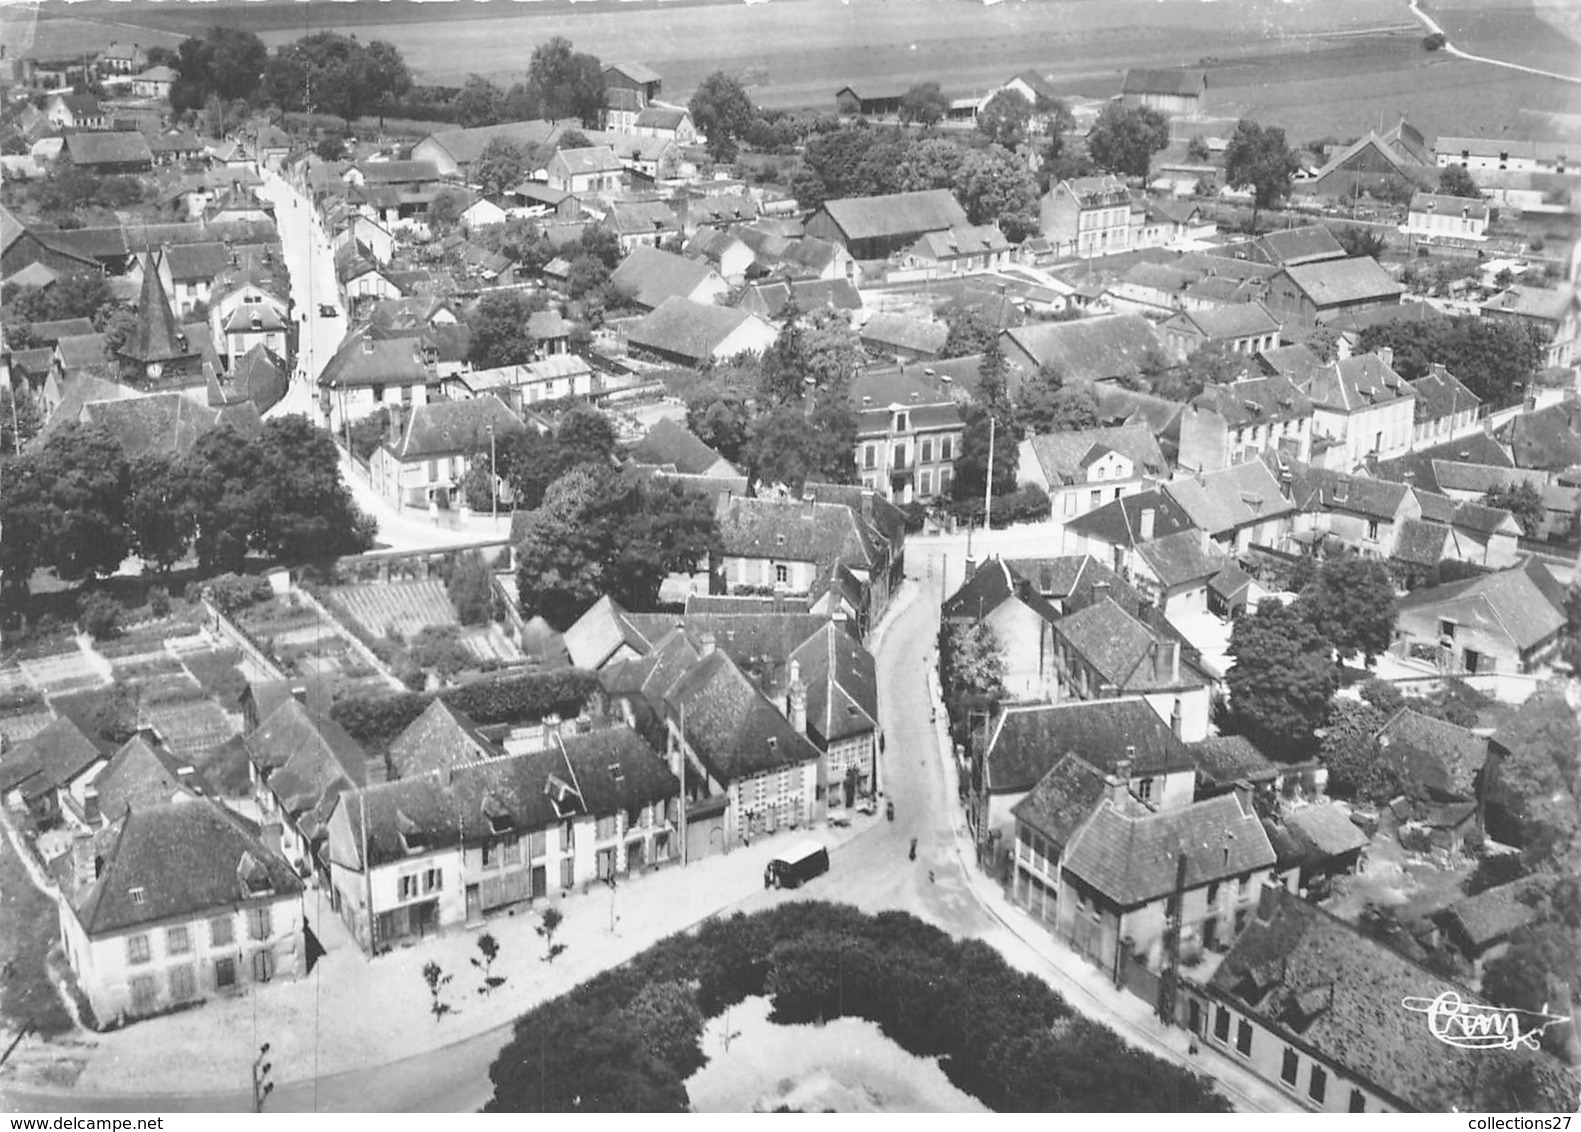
x=1450 y=49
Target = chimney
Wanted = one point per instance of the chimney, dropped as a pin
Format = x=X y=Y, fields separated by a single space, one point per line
x=1385 y=355
x=1100 y=590
x=867 y=504
x=270 y=835
x=796 y=700
x=707 y=643
x=971 y=568
x=1148 y=517
x=1117 y=787
x=84 y=861
x=809 y=505
x=1267 y=903
x=367 y=344
x=90 y=805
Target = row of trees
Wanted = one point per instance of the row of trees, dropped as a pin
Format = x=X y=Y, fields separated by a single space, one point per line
x=79 y=506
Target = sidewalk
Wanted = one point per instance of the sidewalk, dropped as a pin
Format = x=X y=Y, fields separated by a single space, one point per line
x=352 y=1012
x=1082 y=984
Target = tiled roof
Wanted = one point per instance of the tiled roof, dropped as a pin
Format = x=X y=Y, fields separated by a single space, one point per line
x=48 y=759
x=1309 y=243
x=140 y=774
x=1523 y=602
x=967 y=240
x=1325 y=830
x=1420 y=542
x=1124 y=652
x=1090 y=349
x=684 y=328
x=1132 y=858
x=1497 y=913
x=387 y=172
x=465 y=146
x=51 y=331
x=365 y=360
x=1100 y=191
x=842 y=684
x=731 y=726
x=1062 y=455
x=1238 y=320
x=1549 y=439
x=1258 y=400
x=810 y=295
x=109 y=148
x=597 y=773
x=633 y=218
x=795 y=531
x=1432 y=753
x=886 y=330
x=669 y=442
x=160 y=422
x=1179 y=559
x=441 y=428
x=1416 y=468
x=1297 y=363
x=1357 y=383
x=1231 y=498
x=307 y=761
x=599 y=632
x=1025 y=742
x=1332 y=282
x=1318 y=489
x=1062 y=800
x=1143 y=80
x=1437 y=203
x=650 y=276
x=993 y=584
x=1542 y=303
x=197 y=262
x=184 y=860
x=1226 y=759
x=896 y=214
x=1337 y=993
x=442 y=736
x=155 y=337
x=722 y=208
x=1119 y=522
x=660 y=118
x=637 y=72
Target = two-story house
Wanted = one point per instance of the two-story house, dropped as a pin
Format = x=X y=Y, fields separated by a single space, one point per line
x=1309 y=293
x=1445 y=408
x=908 y=433
x=1555 y=312
x=1239 y=506
x=1225 y=425
x=1087 y=468
x=445 y=847
x=368 y=373
x=1363 y=408
x=1022 y=621
x=1241 y=328
x=1509 y=621
x=1435 y=218
x=645 y=223
x=1103 y=652
x=585 y=171
x=428 y=459
x=1086 y=216
x=1363 y=514
x=174 y=903
x=71 y=111
x=298 y=766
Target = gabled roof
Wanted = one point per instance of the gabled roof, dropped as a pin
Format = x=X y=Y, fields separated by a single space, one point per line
x=684 y=328
x=197 y=262
x=1440 y=394
x=669 y=442
x=1310 y=243
x=1419 y=542
x=1231 y=498
x=1325 y=831
x=451 y=428
x=53 y=330
x=1549 y=439
x=390 y=172
x=1074 y=580
x=1296 y=363
x=1144 y=80
x=1524 y=602
x=365 y=360
x=177 y=861
x=259 y=376
x=140 y=774
x=600 y=632
x=1125 y=654
x=1440 y=204
x=993 y=584
x=1432 y=753
x=637 y=72
x=809 y=294
x=465 y=146
x=49 y=759
x=1119 y=522
x=661 y=118
x=589 y=159
x=1090 y=349
x=731 y=726
x=1025 y=742
x=1496 y=913
x=1338 y=281
x=1255 y=401
x=650 y=276
x=1416 y=468
x=1132 y=857
x=1101 y=191
x=109 y=148
x=307 y=761
x=792 y=530
x=1318 y=489
x=896 y=214
x=166 y=423
x=1179 y=559
x=887 y=330
x=841 y=679
x=1322 y=984
x=442 y=736
x=722 y=208
x=1062 y=800
x=1224 y=760
x=1238 y=320
x=1064 y=456
x=1547 y=304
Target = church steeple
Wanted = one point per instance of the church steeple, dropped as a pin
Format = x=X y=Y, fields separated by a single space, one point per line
x=157 y=338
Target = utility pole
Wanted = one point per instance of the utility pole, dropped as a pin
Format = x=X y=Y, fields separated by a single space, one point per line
x=494 y=482
x=988 y=486
x=1169 y=983
x=262 y=1086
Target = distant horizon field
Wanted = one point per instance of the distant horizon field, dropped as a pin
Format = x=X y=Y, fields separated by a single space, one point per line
x=1316 y=67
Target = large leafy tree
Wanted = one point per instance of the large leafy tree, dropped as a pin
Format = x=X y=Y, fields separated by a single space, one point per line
x=974 y=662
x=970 y=333
x=995 y=188
x=1259 y=159
x=479 y=103
x=88 y=484
x=1494 y=359
x=500 y=166
x=28 y=521
x=990 y=422
x=566 y=83
x=1282 y=679
x=225 y=62
x=931 y=163
x=1049 y=405
x=723 y=111
x=337 y=73
x=1350 y=602
x=789 y=446
x=161 y=518
x=388 y=75
x=1522 y=500
x=310 y=514
x=499 y=329
x=924 y=104
x=1124 y=139
x=1004 y=117
x=1455 y=181
x=1348 y=752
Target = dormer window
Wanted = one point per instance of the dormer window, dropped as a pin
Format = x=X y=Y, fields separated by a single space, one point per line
x=138 y=895
x=902 y=422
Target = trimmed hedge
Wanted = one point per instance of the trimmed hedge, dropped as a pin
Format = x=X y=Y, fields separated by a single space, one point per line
x=1005 y=1037
x=376 y=721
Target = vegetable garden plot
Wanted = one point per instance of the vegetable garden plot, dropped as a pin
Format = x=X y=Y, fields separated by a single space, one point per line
x=406 y=607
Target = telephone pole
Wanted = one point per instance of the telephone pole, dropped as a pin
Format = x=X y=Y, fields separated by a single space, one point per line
x=988 y=486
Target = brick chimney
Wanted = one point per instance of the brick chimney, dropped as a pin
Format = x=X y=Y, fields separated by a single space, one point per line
x=707 y=643
x=1117 y=786
x=809 y=505
x=84 y=861
x=1267 y=903
x=1385 y=355
x=796 y=700
x=1145 y=532
x=90 y=805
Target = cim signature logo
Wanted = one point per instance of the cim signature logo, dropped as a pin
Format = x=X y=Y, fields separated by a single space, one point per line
x=1473 y=1025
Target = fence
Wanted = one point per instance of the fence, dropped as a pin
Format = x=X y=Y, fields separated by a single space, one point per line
x=236 y=635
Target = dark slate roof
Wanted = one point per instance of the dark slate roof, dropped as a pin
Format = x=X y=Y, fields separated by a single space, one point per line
x=140 y=774
x=1226 y=759
x=1325 y=831
x=1323 y=985
x=1419 y=542
x=161 y=422
x=1143 y=80
x=308 y=762
x=442 y=428
x=896 y=214
x=795 y=531
x=1440 y=393
x=1237 y=320
x=731 y=726
x=1331 y=282
x=1416 y=468
x=442 y=736
x=886 y=330
x=156 y=337
x=48 y=759
x=1255 y=401
x=187 y=860
x=1309 y=243
x=1318 y=489
x=109 y=148
x=575 y=776
x=1119 y=522
x=1025 y=742
x=393 y=171
x=1496 y=913
x=686 y=329
x=189 y=262
x=1432 y=753
x=365 y=360
x=1062 y=800
x=1549 y=439
x=259 y=376
x=1132 y=857
x=1124 y=652
x=1090 y=349
x=842 y=684
x=994 y=583
x=670 y=443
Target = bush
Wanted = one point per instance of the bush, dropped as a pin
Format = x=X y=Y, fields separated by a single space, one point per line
x=1434 y=42
x=438 y=648
x=471 y=589
x=375 y=721
x=100 y=617
x=159 y=601
x=231 y=593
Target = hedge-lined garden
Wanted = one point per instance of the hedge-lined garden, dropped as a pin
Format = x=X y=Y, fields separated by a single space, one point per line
x=376 y=721
x=628 y=1039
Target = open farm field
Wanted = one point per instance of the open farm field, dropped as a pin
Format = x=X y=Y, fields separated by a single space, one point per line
x=59 y=36
x=1538 y=33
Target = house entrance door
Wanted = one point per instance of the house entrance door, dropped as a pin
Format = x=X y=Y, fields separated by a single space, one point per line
x=540 y=881
x=474 y=904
